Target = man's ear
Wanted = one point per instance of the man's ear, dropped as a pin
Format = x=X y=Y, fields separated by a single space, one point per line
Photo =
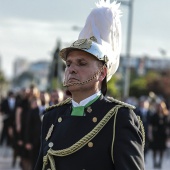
x=103 y=74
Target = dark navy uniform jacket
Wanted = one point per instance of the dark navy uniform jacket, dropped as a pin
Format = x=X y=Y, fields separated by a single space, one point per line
x=117 y=146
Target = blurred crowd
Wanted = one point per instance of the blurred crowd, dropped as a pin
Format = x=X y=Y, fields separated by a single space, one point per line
x=23 y=111
x=155 y=116
x=22 y=114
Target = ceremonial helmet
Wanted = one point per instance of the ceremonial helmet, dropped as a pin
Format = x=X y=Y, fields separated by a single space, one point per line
x=101 y=36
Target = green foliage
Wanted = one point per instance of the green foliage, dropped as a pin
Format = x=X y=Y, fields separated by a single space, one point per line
x=138 y=87
x=3 y=84
x=152 y=76
x=55 y=84
x=2 y=78
x=113 y=88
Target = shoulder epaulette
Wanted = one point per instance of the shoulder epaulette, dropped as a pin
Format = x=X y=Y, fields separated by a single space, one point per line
x=59 y=104
x=121 y=103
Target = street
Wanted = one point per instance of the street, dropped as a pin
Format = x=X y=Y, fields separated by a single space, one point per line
x=6 y=159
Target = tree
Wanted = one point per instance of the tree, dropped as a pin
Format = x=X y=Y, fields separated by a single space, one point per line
x=113 y=88
x=138 y=87
x=165 y=82
x=2 y=78
x=144 y=84
x=3 y=84
x=56 y=69
x=153 y=82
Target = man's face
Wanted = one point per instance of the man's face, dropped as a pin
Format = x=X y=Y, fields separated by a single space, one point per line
x=80 y=66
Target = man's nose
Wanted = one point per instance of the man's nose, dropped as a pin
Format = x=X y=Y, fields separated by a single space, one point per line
x=72 y=69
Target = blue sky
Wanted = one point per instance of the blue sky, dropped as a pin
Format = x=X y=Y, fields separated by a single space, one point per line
x=30 y=29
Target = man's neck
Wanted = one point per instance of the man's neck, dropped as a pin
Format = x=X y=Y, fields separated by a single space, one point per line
x=79 y=96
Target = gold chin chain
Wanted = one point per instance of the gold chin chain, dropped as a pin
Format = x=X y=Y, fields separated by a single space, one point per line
x=88 y=80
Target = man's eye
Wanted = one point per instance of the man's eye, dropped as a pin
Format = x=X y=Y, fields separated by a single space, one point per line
x=67 y=65
x=82 y=64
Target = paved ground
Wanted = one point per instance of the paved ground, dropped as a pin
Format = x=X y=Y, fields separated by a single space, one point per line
x=6 y=155
x=6 y=159
x=165 y=165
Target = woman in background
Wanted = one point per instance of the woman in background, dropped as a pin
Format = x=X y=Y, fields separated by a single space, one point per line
x=158 y=133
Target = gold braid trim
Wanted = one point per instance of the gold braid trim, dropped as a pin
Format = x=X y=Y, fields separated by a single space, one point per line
x=45 y=161
x=142 y=131
x=121 y=103
x=114 y=129
x=82 y=142
x=59 y=104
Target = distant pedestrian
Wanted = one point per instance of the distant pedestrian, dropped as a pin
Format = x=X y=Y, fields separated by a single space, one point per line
x=56 y=96
x=145 y=114
x=32 y=132
x=8 y=108
x=158 y=133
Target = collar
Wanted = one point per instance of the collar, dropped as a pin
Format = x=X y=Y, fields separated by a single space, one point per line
x=87 y=100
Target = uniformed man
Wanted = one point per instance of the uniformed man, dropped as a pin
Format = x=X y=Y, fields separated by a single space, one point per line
x=89 y=131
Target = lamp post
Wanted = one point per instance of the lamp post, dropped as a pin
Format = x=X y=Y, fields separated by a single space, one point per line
x=0 y=82
x=128 y=47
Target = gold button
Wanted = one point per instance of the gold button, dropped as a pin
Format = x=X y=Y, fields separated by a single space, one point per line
x=94 y=119
x=90 y=144
x=89 y=109
x=50 y=144
x=59 y=119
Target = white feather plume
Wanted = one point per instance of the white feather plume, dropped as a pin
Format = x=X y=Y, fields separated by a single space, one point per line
x=104 y=24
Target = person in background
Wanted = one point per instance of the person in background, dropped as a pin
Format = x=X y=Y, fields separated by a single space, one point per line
x=21 y=119
x=145 y=114
x=90 y=131
x=32 y=132
x=45 y=99
x=8 y=108
x=158 y=133
x=56 y=96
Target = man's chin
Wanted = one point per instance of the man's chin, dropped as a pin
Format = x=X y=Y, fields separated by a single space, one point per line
x=74 y=88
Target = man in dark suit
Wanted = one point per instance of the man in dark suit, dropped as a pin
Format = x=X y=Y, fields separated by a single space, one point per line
x=89 y=131
x=8 y=108
x=145 y=115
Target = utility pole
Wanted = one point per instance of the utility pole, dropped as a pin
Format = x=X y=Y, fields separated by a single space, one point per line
x=128 y=47
x=0 y=63
x=58 y=65
x=0 y=83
